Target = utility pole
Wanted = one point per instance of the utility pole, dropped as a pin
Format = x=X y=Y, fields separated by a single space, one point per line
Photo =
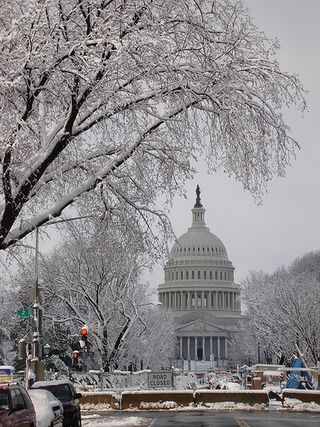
x=37 y=362
x=318 y=371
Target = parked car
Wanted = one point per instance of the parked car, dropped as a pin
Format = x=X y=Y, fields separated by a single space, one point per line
x=16 y=407
x=49 y=410
x=68 y=396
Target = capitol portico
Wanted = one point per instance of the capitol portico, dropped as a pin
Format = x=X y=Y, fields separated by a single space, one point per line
x=199 y=289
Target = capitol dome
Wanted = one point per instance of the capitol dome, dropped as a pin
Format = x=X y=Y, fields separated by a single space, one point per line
x=199 y=267
x=200 y=291
x=199 y=241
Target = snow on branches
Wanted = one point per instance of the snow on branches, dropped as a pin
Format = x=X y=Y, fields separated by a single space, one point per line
x=123 y=94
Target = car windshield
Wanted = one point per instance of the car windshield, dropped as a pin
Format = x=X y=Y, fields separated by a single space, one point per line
x=60 y=391
x=4 y=401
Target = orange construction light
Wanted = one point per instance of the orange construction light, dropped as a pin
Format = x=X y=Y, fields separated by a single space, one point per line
x=84 y=332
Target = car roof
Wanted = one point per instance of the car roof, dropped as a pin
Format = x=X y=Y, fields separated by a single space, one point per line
x=41 y=391
x=36 y=392
x=50 y=383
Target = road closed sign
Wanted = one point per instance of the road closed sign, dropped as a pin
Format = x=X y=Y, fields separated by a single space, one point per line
x=160 y=380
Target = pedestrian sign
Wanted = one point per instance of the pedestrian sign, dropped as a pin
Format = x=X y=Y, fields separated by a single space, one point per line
x=25 y=313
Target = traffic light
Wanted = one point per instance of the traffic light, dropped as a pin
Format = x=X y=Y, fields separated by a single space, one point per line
x=75 y=357
x=84 y=332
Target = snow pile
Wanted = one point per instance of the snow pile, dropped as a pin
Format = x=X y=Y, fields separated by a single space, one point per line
x=158 y=405
x=96 y=407
x=217 y=405
x=234 y=405
x=185 y=382
x=229 y=385
x=97 y=421
x=297 y=405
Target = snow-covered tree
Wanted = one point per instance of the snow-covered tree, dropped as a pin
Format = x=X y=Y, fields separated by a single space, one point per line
x=283 y=307
x=12 y=328
x=115 y=97
x=157 y=343
x=95 y=279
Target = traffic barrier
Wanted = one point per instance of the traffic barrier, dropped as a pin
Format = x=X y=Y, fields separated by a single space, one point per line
x=305 y=396
x=156 y=399
x=249 y=397
x=168 y=399
x=95 y=398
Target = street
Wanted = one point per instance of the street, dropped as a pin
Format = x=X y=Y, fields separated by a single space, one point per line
x=201 y=419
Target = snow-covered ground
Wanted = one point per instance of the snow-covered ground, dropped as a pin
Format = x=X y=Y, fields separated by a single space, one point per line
x=110 y=420
x=90 y=418
x=113 y=421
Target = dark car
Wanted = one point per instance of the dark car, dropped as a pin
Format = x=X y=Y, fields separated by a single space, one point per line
x=68 y=396
x=16 y=408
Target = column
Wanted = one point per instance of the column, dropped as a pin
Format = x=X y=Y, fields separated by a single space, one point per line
x=180 y=343
x=203 y=348
x=188 y=348
x=218 y=346
x=202 y=300
x=211 y=346
x=226 y=347
x=189 y=300
x=195 y=348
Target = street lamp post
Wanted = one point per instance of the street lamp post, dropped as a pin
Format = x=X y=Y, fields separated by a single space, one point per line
x=36 y=362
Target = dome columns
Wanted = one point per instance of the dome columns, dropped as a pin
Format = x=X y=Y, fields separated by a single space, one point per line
x=200 y=300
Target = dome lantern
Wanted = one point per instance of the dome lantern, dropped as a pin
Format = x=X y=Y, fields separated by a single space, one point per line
x=198 y=211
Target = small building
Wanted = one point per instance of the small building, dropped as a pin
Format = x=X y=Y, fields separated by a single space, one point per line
x=199 y=289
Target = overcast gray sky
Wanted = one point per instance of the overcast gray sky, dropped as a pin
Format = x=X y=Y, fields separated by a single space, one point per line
x=287 y=224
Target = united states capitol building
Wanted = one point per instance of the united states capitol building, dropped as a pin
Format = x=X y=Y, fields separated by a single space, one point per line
x=200 y=290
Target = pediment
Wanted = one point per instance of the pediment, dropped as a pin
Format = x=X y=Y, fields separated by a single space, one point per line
x=200 y=326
